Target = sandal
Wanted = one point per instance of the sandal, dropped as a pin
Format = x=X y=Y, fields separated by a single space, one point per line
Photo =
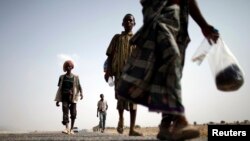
x=71 y=132
x=164 y=132
x=181 y=129
x=187 y=132
x=120 y=127
x=66 y=131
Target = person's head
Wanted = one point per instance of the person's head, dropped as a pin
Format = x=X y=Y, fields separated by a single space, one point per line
x=68 y=66
x=101 y=96
x=128 y=22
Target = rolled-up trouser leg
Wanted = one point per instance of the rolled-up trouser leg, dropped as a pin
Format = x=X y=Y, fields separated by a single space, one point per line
x=65 y=109
x=73 y=111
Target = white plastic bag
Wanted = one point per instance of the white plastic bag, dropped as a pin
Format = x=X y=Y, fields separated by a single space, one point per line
x=223 y=64
x=201 y=52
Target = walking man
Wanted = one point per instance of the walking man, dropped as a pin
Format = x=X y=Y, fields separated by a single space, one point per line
x=102 y=108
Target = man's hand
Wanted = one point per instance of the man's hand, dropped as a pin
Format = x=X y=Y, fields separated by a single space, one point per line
x=57 y=104
x=210 y=33
x=106 y=76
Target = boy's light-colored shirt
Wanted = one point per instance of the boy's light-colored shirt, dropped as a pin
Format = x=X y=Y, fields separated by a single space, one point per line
x=76 y=89
x=102 y=105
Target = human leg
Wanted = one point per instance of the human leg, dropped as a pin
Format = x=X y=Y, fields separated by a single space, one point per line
x=176 y=127
x=73 y=113
x=101 y=121
x=120 y=125
x=165 y=127
x=121 y=119
x=133 y=111
x=99 y=126
x=104 y=120
x=65 y=122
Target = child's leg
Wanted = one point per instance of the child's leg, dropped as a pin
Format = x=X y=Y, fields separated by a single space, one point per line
x=120 y=107
x=133 y=111
x=65 y=109
x=120 y=122
x=73 y=113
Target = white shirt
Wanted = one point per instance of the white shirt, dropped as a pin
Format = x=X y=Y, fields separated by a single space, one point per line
x=102 y=105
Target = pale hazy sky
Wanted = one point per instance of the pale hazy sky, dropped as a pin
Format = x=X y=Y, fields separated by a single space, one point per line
x=36 y=36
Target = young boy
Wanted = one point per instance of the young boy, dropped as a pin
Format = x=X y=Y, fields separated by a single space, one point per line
x=118 y=52
x=68 y=94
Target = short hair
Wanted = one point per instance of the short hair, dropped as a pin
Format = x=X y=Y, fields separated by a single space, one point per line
x=68 y=63
x=101 y=95
x=127 y=15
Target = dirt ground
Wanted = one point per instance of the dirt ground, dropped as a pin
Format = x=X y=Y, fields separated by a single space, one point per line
x=152 y=131
x=109 y=135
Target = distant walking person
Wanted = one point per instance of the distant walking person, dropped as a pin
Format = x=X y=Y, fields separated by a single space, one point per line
x=69 y=90
x=102 y=107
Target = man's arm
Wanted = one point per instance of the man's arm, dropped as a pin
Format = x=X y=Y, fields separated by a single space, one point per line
x=97 y=109
x=208 y=30
x=108 y=72
x=196 y=13
x=110 y=54
x=97 y=112
x=80 y=88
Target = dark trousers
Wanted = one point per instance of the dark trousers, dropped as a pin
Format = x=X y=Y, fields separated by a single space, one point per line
x=66 y=107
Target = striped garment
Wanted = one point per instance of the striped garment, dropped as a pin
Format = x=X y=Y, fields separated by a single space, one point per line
x=152 y=75
x=120 y=49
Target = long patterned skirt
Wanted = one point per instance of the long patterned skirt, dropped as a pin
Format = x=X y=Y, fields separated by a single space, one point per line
x=152 y=75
